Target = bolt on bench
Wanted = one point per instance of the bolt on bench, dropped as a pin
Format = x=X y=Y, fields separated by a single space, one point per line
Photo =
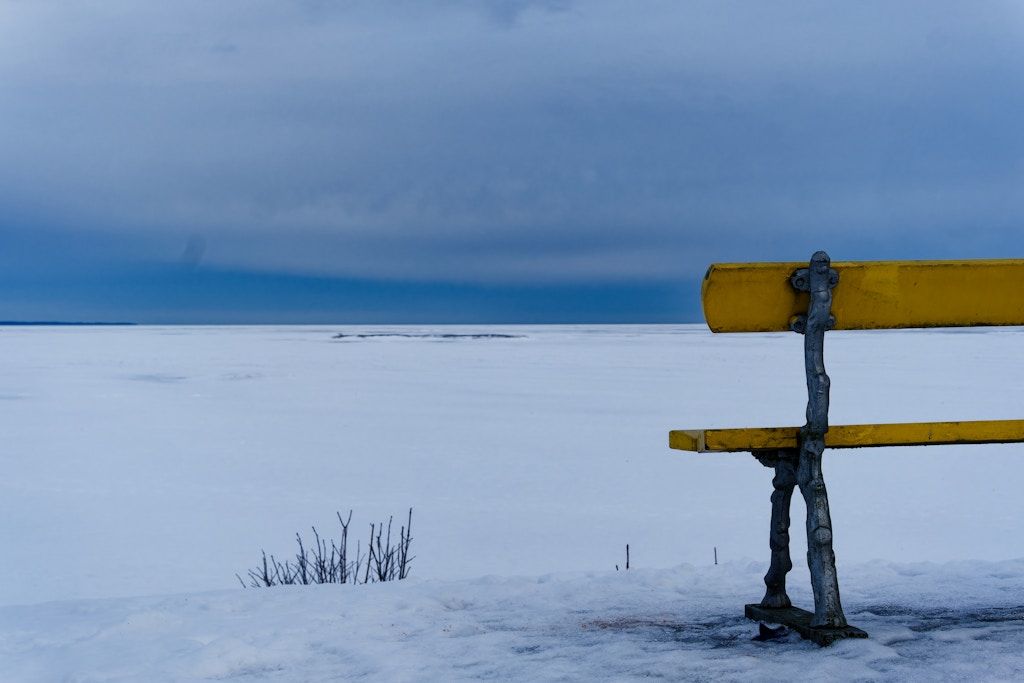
x=769 y=297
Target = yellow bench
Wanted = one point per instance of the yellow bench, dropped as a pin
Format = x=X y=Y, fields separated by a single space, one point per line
x=810 y=299
x=849 y=436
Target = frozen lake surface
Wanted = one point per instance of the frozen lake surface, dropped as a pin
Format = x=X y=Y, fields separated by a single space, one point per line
x=147 y=460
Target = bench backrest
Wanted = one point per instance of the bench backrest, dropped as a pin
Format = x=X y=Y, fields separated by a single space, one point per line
x=758 y=297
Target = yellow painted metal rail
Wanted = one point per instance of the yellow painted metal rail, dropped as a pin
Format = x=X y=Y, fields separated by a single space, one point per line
x=850 y=436
x=758 y=297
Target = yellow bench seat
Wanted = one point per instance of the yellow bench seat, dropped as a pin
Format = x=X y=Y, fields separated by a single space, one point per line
x=849 y=436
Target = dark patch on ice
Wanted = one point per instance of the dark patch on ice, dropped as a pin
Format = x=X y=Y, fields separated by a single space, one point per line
x=922 y=620
x=765 y=632
x=158 y=378
x=11 y=397
x=240 y=376
x=447 y=335
x=724 y=632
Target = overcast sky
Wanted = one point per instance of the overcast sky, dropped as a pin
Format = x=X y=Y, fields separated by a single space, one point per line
x=491 y=161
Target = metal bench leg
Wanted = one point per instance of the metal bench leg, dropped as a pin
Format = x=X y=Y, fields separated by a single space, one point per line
x=828 y=623
x=817 y=280
x=821 y=560
x=784 y=462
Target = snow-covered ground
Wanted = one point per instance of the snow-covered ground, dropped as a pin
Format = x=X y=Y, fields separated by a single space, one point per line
x=144 y=461
x=961 y=621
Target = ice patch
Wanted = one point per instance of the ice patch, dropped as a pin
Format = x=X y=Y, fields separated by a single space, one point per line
x=157 y=378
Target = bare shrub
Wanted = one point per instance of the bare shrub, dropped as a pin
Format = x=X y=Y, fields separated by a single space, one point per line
x=328 y=561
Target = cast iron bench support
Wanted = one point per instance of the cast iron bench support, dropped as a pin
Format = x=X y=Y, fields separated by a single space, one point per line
x=803 y=467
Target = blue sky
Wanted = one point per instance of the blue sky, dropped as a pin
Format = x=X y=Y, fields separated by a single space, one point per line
x=491 y=161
